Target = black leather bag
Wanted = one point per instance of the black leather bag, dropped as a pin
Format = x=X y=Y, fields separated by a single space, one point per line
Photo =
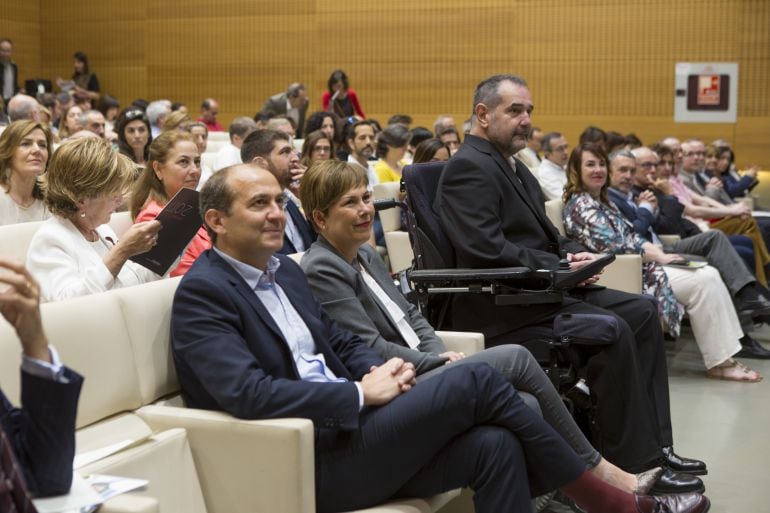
x=586 y=329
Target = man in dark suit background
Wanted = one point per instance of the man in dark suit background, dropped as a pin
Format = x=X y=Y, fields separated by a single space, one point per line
x=9 y=72
x=492 y=210
x=249 y=338
x=293 y=103
x=41 y=434
x=272 y=150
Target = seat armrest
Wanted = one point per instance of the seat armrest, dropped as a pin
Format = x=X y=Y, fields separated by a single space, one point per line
x=669 y=240
x=130 y=503
x=246 y=465
x=462 y=341
x=625 y=274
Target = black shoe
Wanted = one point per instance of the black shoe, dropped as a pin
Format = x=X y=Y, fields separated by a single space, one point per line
x=752 y=349
x=683 y=465
x=670 y=483
x=753 y=308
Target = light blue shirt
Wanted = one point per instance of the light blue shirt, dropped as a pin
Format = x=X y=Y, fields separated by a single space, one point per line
x=311 y=364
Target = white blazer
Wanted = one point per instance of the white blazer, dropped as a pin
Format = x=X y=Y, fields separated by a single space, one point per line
x=66 y=265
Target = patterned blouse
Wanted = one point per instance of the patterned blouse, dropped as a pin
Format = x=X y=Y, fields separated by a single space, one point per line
x=602 y=228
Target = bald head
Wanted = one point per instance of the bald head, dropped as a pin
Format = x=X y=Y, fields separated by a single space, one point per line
x=22 y=106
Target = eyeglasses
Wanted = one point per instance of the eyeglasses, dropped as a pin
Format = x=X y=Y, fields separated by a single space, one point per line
x=648 y=165
x=695 y=154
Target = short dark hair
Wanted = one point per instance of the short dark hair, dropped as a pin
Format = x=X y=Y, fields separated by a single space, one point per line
x=350 y=131
x=294 y=89
x=216 y=194
x=241 y=126
x=260 y=143
x=426 y=150
x=487 y=90
x=400 y=119
x=420 y=134
x=593 y=134
x=395 y=136
x=548 y=138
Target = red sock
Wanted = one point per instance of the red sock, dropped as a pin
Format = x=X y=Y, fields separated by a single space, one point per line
x=595 y=496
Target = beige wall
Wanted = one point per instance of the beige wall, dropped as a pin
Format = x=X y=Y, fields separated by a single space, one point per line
x=20 y=22
x=609 y=63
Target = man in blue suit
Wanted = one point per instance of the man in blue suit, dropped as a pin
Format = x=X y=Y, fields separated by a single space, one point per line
x=40 y=437
x=272 y=150
x=249 y=338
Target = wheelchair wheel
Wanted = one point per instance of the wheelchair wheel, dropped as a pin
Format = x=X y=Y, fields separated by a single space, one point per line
x=541 y=503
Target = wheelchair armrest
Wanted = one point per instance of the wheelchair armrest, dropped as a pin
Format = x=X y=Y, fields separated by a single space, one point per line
x=460 y=275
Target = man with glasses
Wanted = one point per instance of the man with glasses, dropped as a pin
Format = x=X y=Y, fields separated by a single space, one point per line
x=631 y=175
x=551 y=173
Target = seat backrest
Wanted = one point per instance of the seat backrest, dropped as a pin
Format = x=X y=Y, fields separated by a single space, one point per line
x=15 y=239
x=432 y=248
x=554 y=209
x=120 y=222
x=391 y=217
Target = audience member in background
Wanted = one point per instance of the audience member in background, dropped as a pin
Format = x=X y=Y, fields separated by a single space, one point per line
x=594 y=221
x=178 y=106
x=93 y=121
x=86 y=82
x=50 y=102
x=272 y=150
x=283 y=124
x=551 y=173
x=41 y=434
x=355 y=288
x=675 y=146
x=719 y=163
x=417 y=135
x=109 y=106
x=70 y=122
x=340 y=98
x=209 y=112
x=530 y=154
x=431 y=150
x=443 y=122
x=75 y=252
x=230 y=153
x=22 y=106
x=360 y=142
x=400 y=119
x=325 y=122
x=134 y=136
x=177 y=120
x=594 y=134
x=632 y=177
x=174 y=163
x=200 y=135
x=317 y=146
x=63 y=102
x=615 y=142
x=392 y=144
x=9 y=72
x=261 y=119
x=292 y=103
x=632 y=141
x=25 y=149
x=451 y=137
x=157 y=112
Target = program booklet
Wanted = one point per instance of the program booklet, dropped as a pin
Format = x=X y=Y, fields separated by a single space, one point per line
x=181 y=220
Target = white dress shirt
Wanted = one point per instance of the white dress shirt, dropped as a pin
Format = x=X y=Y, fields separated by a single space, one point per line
x=552 y=178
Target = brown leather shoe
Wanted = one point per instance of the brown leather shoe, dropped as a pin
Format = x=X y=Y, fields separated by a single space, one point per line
x=681 y=503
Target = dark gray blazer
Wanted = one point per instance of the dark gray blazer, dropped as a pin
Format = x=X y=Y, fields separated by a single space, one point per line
x=277 y=105
x=340 y=288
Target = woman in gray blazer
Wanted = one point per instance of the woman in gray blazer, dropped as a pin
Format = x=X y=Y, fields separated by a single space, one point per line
x=355 y=288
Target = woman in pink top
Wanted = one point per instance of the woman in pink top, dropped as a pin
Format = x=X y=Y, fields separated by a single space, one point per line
x=174 y=162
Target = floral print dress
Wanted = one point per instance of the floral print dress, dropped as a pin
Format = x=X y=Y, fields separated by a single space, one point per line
x=602 y=228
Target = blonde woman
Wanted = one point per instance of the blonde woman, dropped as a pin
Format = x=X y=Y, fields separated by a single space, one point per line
x=25 y=150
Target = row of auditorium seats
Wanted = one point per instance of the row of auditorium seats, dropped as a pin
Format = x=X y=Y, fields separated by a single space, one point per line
x=131 y=421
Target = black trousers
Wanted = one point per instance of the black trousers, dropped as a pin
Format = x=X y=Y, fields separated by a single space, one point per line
x=628 y=379
x=464 y=427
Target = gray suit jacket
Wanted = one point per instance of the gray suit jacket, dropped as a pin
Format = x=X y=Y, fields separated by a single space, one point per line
x=277 y=105
x=340 y=288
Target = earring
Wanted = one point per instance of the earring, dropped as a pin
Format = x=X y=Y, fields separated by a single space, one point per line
x=82 y=214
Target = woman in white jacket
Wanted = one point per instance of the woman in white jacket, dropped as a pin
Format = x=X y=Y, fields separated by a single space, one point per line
x=75 y=253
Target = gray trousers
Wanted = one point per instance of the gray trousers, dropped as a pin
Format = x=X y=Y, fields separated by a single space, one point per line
x=716 y=248
x=520 y=369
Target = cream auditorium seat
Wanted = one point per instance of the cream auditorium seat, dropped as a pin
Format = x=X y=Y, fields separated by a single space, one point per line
x=213 y=146
x=397 y=243
x=625 y=273
x=15 y=239
x=120 y=222
x=219 y=136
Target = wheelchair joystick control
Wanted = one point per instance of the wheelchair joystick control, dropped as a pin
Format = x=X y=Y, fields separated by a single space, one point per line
x=563 y=264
